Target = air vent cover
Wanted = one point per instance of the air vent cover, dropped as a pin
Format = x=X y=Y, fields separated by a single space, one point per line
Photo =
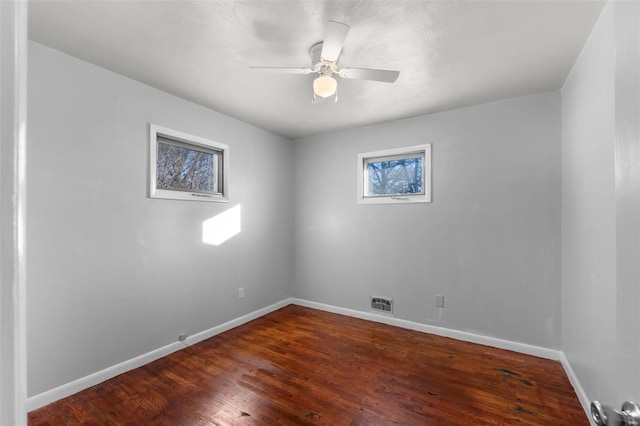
x=382 y=304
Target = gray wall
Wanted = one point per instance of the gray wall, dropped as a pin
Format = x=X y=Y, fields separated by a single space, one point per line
x=114 y=274
x=489 y=242
x=601 y=209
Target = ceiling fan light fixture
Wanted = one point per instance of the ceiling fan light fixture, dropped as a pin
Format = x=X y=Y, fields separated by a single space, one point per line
x=325 y=56
x=325 y=86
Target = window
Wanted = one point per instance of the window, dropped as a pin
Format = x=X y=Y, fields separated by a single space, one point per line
x=400 y=175
x=186 y=167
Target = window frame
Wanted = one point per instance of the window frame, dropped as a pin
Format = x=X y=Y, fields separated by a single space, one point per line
x=365 y=158
x=185 y=140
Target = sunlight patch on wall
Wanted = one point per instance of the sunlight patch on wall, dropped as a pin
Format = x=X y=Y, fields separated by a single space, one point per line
x=220 y=228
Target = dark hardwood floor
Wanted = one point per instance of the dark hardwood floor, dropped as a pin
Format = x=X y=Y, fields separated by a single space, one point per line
x=304 y=366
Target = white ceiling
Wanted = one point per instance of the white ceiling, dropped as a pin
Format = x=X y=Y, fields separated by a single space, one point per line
x=450 y=53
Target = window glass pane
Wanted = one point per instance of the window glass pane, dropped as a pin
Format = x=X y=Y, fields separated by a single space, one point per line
x=394 y=176
x=185 y=169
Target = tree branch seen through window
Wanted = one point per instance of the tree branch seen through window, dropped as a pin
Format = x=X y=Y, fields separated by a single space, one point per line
x=403 y=176
x=184 y=169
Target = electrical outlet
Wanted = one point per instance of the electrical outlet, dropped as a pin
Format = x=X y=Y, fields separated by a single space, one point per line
x=439 y=301
x=240 y=292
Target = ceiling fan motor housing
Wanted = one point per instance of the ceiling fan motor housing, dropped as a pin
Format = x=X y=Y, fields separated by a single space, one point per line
x=321 y=66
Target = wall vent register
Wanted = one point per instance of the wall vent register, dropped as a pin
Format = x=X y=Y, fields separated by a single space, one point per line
x=382 y=304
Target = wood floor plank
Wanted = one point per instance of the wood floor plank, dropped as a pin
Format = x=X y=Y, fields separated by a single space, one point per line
x=303 y=366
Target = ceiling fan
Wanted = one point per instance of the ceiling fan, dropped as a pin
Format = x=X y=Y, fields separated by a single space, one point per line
x=324 y=63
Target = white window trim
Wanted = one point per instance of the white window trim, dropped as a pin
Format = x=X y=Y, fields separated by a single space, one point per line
x=395 y=199
x=156 y=131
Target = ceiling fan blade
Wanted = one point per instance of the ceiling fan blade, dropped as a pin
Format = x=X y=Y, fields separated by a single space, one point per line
x=369 y=74
x=282 y=70
x=334 y=37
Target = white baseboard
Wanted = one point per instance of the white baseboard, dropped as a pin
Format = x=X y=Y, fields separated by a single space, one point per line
x=63 y=391
x=439 y=331
x=68 y=389
x=524 y=348
x=577 y=387
x=204 y=335
x=47 y=397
